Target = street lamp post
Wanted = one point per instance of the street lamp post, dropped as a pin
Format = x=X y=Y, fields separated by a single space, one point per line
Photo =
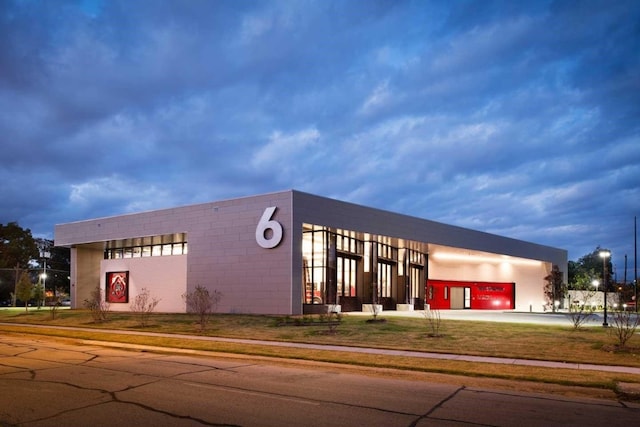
x=604 y=255
x=45 y=255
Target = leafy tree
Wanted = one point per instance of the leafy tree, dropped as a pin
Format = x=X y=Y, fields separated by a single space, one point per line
x=17 y=246
x=24 y=289
x=555 y=288
x=583 y=272
x=17 y=249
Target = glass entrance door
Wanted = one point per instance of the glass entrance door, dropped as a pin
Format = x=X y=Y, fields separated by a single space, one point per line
x=347 y=269
x=415 y=273
x=467 y=297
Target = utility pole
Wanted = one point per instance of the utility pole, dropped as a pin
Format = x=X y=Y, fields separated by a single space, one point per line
x=15 y=287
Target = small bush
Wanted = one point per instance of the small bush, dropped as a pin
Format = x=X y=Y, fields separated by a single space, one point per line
x=331 y=319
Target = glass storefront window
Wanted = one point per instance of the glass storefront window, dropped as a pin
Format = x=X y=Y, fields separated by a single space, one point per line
x=144 y=247
x=314 y=259
x=347 y=274
x=337 y=262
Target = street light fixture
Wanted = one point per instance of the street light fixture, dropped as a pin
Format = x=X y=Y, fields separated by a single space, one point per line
x=604 y=255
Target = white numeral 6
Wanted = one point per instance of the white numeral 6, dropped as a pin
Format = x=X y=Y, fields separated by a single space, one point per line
x=266 y=223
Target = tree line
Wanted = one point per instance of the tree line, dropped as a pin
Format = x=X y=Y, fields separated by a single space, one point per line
x=32 y=270
x=589 y=273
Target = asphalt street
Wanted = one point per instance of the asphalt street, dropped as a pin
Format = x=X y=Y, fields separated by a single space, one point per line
x=47 y=382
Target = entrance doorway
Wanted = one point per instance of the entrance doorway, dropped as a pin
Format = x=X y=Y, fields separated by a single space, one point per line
x=457 y=298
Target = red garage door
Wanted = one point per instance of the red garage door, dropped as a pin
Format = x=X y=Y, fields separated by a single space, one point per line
x=449 y=294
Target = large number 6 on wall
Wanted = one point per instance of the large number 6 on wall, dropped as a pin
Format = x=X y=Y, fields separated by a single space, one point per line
x=267 y=223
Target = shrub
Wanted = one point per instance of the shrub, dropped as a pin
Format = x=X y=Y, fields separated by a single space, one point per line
x=332 y=319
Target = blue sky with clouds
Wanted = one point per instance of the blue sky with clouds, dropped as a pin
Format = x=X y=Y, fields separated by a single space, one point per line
x=519 y=118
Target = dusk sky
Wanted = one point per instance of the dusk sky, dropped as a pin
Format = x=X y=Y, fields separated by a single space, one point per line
x=519 y=118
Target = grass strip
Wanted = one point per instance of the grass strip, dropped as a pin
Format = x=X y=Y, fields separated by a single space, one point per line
x=564 y=377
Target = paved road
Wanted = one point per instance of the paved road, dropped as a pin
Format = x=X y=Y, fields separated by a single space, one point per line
x=46 y=382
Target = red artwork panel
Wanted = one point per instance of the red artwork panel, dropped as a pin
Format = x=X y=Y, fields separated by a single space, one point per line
x=118 y=287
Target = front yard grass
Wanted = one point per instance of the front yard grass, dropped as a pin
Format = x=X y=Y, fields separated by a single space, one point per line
x=590 y=345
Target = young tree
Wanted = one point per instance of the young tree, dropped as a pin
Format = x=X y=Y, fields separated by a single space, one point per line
x=38 y=294
x=53 y=308
x=143 y=305
x=625 y=324
x=203 y=303
x=24 y=289
x=581 y=309
x=98 y=305
x=555 y=288
x=433 y=320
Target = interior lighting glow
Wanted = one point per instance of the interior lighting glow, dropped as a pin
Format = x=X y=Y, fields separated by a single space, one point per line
x=498 y=259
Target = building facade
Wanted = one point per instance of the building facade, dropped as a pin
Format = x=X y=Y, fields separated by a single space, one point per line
x=292 y=252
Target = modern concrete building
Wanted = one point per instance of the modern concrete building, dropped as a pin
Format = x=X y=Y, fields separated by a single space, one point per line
x=291 y=253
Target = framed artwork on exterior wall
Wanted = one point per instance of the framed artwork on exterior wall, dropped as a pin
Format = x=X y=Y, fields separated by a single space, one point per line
x=117 y=287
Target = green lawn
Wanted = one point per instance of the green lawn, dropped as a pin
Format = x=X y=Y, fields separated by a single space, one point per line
x=592 y=345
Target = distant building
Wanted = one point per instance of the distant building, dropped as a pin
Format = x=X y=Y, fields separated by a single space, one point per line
x=291 y=253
